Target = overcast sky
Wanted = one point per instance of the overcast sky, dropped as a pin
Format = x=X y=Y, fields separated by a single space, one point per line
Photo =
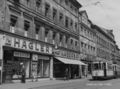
x=104 y=13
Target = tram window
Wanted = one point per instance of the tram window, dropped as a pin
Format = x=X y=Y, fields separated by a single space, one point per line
x=104 y=66
x=109 y=67
x=96 y=66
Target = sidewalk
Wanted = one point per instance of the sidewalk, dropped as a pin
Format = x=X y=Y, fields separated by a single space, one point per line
x=32 y=85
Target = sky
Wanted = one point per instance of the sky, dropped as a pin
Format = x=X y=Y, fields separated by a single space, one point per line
x=104 y=13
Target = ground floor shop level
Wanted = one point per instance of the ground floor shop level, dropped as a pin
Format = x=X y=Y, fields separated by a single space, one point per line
x=34 y=64
x=35 y=58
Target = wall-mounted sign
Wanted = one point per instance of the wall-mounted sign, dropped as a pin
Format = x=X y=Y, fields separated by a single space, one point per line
x=21 y=54
x=27 y=45
x=43 y=57
x=67 y=54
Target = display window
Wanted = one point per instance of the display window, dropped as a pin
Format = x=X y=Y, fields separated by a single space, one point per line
x=12 y=65
x=43 y=68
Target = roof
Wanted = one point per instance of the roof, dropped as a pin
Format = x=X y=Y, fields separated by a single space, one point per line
x=76 y=3
x=83 y=11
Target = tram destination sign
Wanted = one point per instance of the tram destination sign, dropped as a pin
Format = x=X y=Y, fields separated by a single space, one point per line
x=28 y=45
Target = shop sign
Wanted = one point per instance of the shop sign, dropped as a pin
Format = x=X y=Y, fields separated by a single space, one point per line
x=27 y=45
x=21 y=54
x=67 y=54
x=43 y=57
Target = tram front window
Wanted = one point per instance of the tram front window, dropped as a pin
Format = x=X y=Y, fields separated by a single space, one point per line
x=96 y=66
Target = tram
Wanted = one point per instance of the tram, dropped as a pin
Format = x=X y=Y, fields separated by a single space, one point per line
x=105 y=70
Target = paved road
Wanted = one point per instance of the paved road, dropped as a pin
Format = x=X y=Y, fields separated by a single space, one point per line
x=85 y=84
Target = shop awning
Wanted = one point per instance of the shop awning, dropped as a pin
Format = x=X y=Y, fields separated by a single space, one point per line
x=70 y=61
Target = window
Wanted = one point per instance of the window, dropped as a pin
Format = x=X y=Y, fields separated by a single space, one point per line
x=61 y=16
x=38 y=3
x=61 y=39
x=71 y=41
x=76 y=25
x=71 y=6
x=88 y=47
x=16 y=1
x=27 y=1
x=85 y=45
x=71 y=23
x=43 y=68
x=75 y=10
x=13 y=20
x=47 y=7
x=61 y=1
x=54 y=35
x=76 y=43
x=26 y=26
x=54 y=13
x=66 y=22
x=46 y=35
x=37 y=27
x=66 y=2
x=82 y=44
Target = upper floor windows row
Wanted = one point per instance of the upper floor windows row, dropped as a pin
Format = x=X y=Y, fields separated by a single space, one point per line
x=40 y=30
x=68 y=5
x=54 y=15
x=87 y=33
x=87 y=48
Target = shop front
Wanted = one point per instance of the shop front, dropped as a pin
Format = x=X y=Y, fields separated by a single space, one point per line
x=41 y=66
x=35 y=56
x=65 y=60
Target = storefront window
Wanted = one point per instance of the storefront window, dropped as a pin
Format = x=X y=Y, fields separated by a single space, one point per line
x=46 y=68
x=39 y=68
x=43 y=68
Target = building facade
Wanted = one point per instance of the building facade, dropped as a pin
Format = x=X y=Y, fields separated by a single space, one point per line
x=87 y=40
x=105 y=44
x=30 y=31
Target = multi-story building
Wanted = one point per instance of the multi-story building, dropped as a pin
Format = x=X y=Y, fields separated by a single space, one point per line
x=105 y=44
x=31 y=29
x=116 y=56
x=87 y=39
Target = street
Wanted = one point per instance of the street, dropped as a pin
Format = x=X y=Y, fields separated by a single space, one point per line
x=84 y=84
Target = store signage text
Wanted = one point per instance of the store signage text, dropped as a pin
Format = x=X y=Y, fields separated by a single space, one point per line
x=27 y=45
x=67 y=54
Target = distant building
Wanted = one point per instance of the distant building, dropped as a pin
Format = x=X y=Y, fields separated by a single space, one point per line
x=105 y=44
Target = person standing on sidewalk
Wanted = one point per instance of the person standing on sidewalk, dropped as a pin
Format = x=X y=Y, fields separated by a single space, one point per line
x=66 y=74
x=23 y=74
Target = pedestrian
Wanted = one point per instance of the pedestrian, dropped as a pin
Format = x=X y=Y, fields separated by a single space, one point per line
x=66 y=74
x=23 y=74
